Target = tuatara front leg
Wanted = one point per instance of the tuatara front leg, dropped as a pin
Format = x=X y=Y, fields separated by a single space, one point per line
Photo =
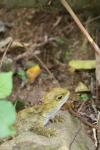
x=44 y=131
x=57 y=119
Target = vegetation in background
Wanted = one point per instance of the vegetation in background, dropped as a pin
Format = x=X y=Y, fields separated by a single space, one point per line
x=7 y=110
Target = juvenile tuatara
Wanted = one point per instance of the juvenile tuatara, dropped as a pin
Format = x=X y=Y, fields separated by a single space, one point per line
x=38 y=116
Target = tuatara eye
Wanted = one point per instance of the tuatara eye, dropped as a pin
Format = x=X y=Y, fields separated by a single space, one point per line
x=59 y=97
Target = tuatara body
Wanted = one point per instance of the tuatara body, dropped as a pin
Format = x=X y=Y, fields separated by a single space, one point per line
x=37 y=117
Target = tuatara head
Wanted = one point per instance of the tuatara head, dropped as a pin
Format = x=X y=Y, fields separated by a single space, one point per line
x=56 y=94
x=53 y=101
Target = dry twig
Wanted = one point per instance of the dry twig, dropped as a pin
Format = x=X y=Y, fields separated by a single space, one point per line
x=30 y=53
x=83 y=119
x=5 y=52
x=82 y=28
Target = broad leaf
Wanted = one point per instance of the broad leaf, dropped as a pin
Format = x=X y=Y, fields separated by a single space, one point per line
x=82 y=65
x=22 y=75
x=81 y=87
x=84 y=97
x=5 y=84
x=6 y=131
x=7 y=118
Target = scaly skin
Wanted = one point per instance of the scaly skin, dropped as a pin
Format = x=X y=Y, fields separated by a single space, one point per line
x=38 y=116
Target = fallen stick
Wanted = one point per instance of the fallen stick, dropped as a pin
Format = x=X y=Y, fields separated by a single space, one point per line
x=83 y=119
x=82 y=28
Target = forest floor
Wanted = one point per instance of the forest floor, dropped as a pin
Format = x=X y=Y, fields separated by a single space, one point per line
x=59 y=41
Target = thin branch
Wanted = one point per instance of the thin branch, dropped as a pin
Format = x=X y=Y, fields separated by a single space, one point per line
x=79 y=24
x=83 y=119
x=5 y=52
x=30 y=53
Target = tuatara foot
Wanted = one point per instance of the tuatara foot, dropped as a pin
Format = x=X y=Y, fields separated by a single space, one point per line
x=40 y=130
x=57 y=119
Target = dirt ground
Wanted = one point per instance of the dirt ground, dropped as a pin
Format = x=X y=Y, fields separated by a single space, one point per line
x=67 y=43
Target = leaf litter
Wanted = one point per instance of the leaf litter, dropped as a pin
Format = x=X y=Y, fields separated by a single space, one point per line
x=38 y=37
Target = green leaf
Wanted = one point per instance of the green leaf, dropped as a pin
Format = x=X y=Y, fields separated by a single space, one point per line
x=82 y=64
x=7 y=118
x=84 y=97
x=22 y=75
x=6 y=131
x=5 y=84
